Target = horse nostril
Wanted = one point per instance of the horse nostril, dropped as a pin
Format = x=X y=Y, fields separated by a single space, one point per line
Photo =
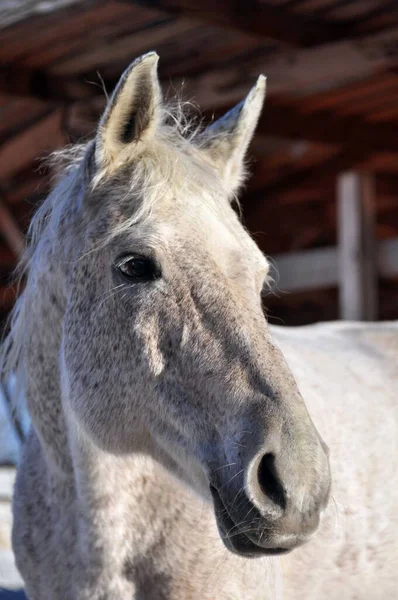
x=269 y=481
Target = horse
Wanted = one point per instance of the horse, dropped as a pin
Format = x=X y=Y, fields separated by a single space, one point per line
x=171 y=455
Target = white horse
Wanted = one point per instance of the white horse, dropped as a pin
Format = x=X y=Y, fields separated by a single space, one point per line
x=171 y=453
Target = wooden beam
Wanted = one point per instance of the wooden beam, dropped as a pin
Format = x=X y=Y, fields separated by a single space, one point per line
x=319 y=268
x=10 y=230
x=313 y=175
x=314 y=183
x=58 y=32
x=123 y=48
x=257 y=18
x=9 y=133
x=305 y=270
x=8 y=296
x=36 y=83
x=357 y=257
x=347 y=159
x=318 y=190
x=8 y=260
x=290 y=121
x=26 y=185
x=297 y=73
x=43 y=137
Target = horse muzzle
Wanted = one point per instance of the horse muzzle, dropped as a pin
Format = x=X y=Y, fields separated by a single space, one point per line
x=256 y=536
x=258 y=513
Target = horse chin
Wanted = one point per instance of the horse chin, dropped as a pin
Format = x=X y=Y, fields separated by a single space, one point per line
x=237 y=541
x=242 y=546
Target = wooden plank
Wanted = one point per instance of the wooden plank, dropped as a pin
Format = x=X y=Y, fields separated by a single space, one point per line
x=279 y=118
x=385 y=163
x=123 y=48
x=257 y=18
x=22 y=120
x=14 y=12
x=43 y=137
x=288 y=120
x=281 y=159
x=10 y=230
x=33 y=83
x=23 y=39
x=297 y=73
x=366 y=107
x=351 y=93
x=357 y=256
x=15 y=111
x=271 y=179
x=8 y=260
x=309 y=176
x=319 y=268
x=305 y=270
x=102 y=24
x=26 y=184
x=381 y=15
x=8 y=296
x=289 y=72
x=310 y=189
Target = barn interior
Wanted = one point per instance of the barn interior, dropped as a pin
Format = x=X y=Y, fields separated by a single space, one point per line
x=322 y=199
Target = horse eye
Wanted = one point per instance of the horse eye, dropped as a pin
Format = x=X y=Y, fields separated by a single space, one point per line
x=138 y=268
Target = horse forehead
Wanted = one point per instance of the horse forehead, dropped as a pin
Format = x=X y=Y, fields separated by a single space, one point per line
x=227 y=241
x=215 y=230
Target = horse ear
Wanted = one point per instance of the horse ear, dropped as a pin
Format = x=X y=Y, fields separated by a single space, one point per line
x=226 y=141
x=132 y=113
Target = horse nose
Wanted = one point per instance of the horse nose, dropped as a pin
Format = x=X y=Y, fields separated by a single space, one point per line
x=292 y=494
x=269 y=481
x=274 y=503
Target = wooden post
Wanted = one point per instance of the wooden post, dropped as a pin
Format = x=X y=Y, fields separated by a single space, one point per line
x=357 y=248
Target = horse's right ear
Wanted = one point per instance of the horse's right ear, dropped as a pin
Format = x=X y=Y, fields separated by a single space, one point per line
x=132 y=114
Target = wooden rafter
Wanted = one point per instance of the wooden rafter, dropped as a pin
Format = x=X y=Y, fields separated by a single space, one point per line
x=10 y=230
x=290 y=121
x=315 y=175
x=258 y=18
x=289 y=71
x=295 y=73
x=8 y=296
x=7 y=257
x=44 y=136
x=280 y=118
x=35 y=83
x=10 y=133
x=254 y=202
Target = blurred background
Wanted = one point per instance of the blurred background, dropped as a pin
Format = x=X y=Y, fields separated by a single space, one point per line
x=323 y=197
x=332 y=108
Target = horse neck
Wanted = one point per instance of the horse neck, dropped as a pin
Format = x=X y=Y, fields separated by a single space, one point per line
x=43 y=307
x=112 y=496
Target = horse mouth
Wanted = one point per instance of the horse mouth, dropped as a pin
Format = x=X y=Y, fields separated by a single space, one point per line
x=237 y=541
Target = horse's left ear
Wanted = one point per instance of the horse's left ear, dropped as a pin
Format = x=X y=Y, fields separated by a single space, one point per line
x=226 y=141
x=132 y=113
